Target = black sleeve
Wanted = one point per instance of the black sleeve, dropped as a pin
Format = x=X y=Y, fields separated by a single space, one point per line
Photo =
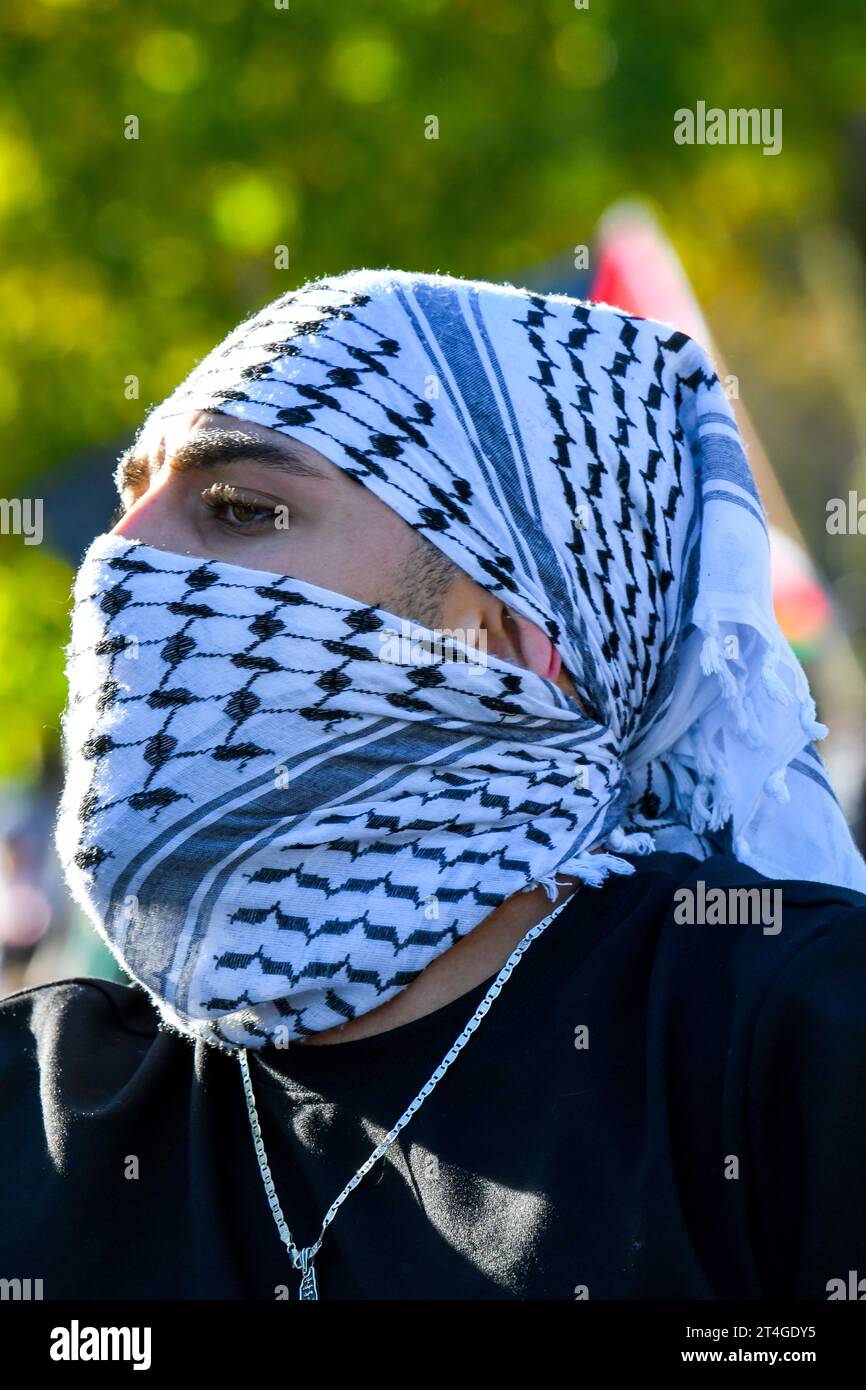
x=807 y=1117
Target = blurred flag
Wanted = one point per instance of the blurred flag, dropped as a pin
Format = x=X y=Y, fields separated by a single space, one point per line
x=639 y=271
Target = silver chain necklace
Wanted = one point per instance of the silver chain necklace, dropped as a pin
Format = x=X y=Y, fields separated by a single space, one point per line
x=303 y=1259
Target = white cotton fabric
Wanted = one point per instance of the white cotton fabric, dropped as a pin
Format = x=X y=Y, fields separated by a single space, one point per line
x=274 y=827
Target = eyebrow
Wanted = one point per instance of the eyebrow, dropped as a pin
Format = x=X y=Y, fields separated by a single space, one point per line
x=210 y=449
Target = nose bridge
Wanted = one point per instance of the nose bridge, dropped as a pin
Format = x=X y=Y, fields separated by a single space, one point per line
x=154 y=513
x=150 y=517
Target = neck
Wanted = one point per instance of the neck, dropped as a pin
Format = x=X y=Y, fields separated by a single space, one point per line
x=474 y=958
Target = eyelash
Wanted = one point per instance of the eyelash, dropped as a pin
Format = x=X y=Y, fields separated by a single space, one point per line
x=221 y=496
x=217 y=498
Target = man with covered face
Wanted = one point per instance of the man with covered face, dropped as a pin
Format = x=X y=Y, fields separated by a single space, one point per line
x=321 y=865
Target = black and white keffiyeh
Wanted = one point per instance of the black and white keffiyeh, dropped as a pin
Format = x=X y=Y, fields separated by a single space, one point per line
x=275 y=824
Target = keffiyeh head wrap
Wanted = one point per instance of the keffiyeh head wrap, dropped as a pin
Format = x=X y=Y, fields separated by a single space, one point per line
x=275 y=823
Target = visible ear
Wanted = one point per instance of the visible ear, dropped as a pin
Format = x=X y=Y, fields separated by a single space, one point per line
x=538 y=654
x=510 y=637
x=533 y=646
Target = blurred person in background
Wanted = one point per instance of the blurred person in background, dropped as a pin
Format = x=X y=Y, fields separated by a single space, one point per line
x=43 y=933
x=25 y=911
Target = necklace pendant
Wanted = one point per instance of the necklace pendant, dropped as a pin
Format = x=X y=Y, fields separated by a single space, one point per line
x=309 y=1288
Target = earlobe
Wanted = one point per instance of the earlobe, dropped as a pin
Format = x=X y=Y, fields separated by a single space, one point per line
x=510 y=637
x=535 y=650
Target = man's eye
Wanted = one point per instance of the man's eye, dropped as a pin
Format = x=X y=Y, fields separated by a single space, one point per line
x=235 y=511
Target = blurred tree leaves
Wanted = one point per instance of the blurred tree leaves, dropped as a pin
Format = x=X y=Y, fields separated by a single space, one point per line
x=34 y=589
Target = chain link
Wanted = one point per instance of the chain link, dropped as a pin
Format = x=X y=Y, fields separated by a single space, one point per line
x=301 y=1259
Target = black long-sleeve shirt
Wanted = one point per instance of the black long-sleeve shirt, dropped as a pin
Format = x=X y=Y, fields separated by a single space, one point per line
x=650 y=1109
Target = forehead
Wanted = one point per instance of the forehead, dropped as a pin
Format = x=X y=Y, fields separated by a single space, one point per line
x=161 y=437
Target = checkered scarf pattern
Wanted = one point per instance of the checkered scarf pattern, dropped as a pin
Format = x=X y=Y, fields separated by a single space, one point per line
x=275 y=827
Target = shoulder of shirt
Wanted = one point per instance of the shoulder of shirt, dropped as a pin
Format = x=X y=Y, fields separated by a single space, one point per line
x=724 y=870
x=823 y=925
x=106 y=1007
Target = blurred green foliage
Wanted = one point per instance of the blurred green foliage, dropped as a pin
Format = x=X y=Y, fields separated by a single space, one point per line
x=34 y=589
x=305 y=126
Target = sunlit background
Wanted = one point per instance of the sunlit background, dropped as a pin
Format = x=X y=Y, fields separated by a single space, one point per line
x=124 y=260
